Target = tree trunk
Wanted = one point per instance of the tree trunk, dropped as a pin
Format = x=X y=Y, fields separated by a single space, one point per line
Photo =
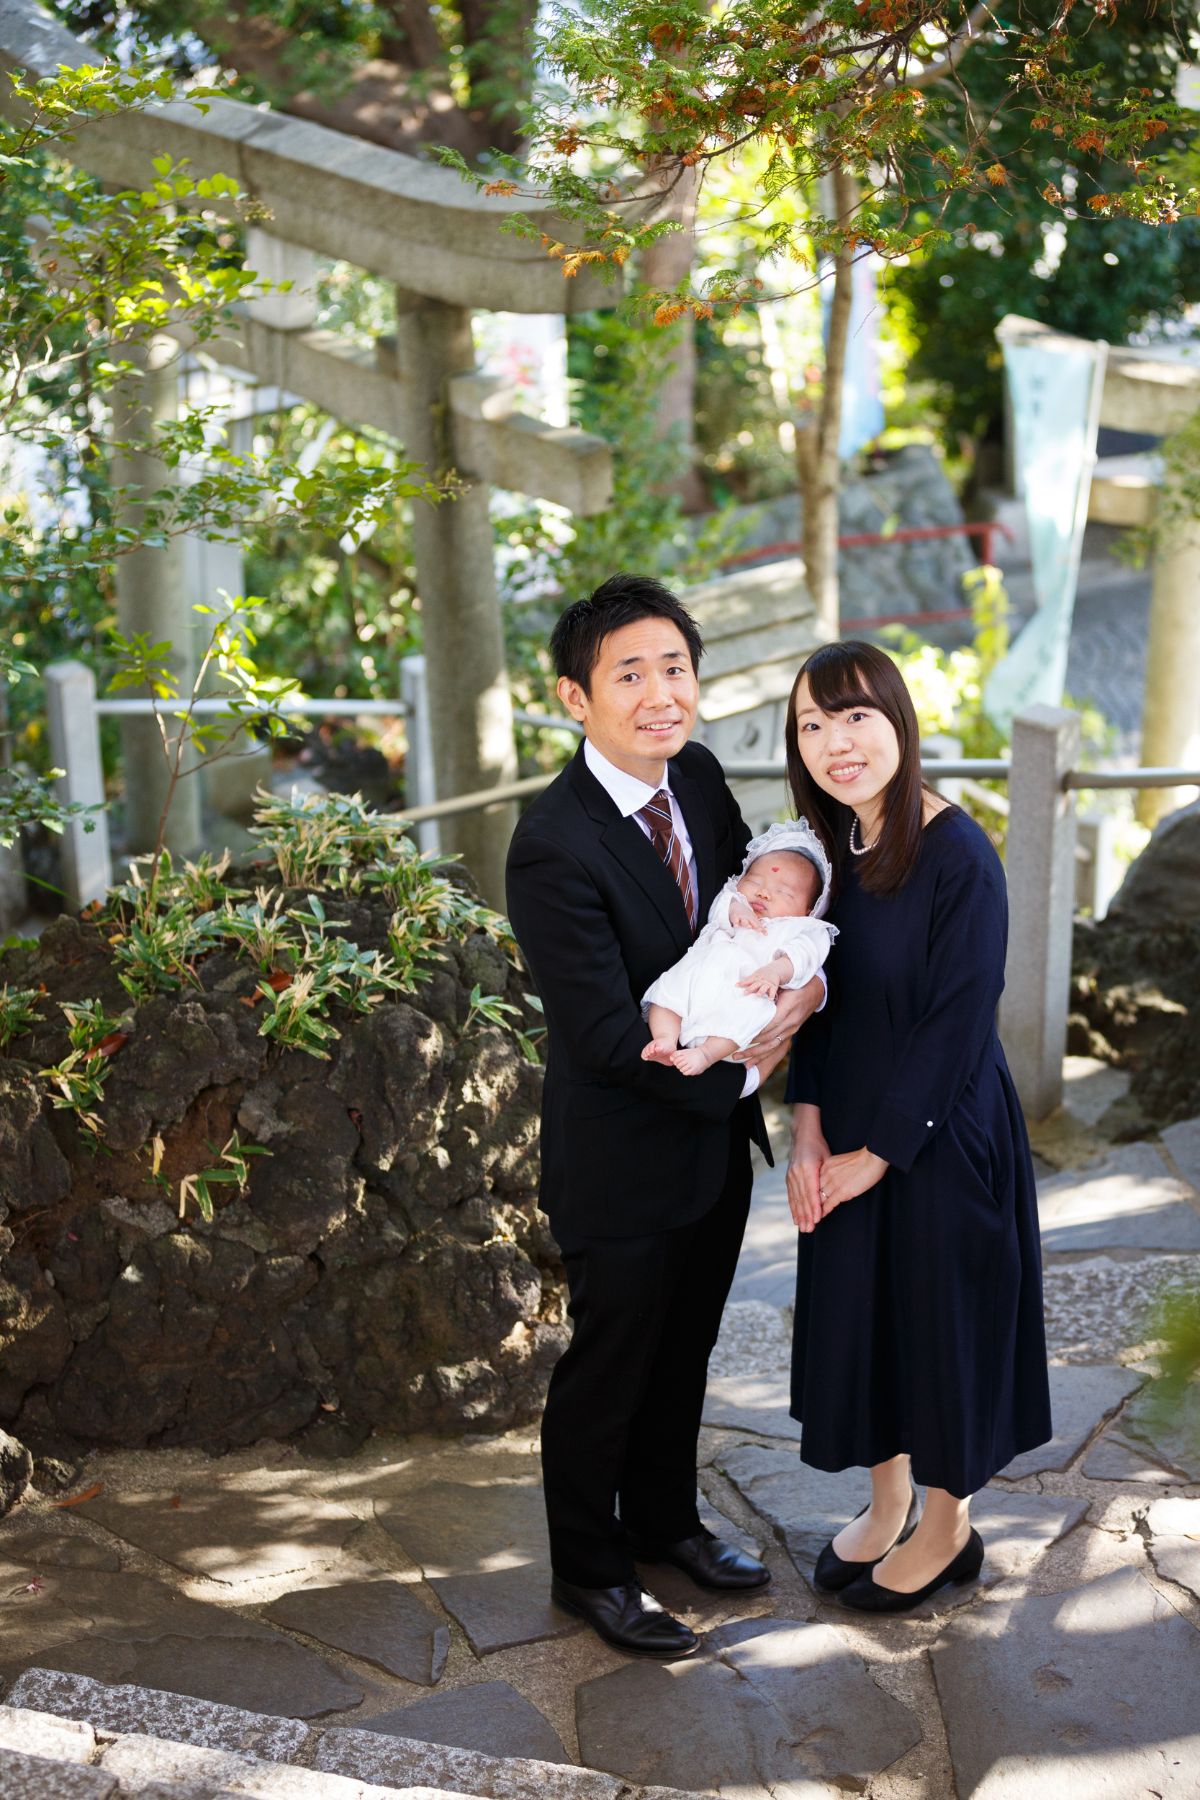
x=663 y=265
x=818 y=465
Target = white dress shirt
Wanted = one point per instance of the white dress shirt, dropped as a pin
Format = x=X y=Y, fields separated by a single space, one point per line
x=629 y=795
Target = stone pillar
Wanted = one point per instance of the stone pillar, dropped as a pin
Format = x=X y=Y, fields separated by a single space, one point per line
x=152 y=597
x=1041 y=891
x=13 y=907
x=469 y=698
x=13 y=904
x=71 y=727
x=1099 y=870
x=1171 y=708
x=420 y=776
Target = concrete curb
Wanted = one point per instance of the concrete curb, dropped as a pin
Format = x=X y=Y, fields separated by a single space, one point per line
x=143 y=1741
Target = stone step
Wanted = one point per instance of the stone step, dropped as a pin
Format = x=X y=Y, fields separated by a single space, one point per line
x=137 y=1741
x=147 y=1768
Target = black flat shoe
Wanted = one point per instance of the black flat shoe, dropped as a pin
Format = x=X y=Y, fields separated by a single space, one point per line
x=627 y=1617
x=832 y=1572
x=866 y=1595
x=709 y=1560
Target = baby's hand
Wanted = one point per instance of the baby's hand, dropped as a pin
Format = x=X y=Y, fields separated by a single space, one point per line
x=763 y=981
x=743 y=917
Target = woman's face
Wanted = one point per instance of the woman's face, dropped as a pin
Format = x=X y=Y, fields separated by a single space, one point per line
x=852 y=755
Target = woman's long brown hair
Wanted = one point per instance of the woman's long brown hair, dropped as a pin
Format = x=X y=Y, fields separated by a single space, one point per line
x=840 y=677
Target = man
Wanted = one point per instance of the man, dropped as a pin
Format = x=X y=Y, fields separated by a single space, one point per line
x=645 y=1171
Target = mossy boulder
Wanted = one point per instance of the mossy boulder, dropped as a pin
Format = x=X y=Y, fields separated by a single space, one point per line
x=384 y=1265
x=1136 y=978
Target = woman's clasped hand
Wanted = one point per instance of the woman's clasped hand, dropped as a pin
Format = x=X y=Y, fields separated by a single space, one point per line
x=819 y=1181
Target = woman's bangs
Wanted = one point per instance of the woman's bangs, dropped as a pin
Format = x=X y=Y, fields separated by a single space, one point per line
x=836 y=683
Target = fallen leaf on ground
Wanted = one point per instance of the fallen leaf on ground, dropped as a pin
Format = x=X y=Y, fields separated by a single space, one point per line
x=89 y=1493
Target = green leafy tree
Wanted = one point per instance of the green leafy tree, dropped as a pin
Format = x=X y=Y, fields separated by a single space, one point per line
x=870 y=134
x=107 y=274
x=402 y=73
x=405 y=74
x=1053 y=240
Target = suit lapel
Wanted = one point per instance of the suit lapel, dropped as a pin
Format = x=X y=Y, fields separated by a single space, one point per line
x=625 y=839
x=700 y=830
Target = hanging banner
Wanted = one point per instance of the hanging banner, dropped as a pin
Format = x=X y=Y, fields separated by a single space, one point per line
x=1054 y=383
x=862 y=399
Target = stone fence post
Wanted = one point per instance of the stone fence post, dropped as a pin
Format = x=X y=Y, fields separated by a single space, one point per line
x=420 y=776
x=945 y=748
x=74 y=736
x=1041 y=888
x=1098 y=869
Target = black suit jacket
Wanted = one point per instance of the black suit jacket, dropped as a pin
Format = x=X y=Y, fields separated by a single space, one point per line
x=627 y=1146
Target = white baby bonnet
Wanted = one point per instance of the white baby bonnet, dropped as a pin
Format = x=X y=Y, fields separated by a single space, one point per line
x=798 y=835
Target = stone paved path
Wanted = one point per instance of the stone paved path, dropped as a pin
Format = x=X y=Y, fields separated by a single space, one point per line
x=404 y=1588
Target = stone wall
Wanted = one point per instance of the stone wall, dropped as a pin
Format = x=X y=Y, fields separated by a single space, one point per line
x=386 y=1265
x=909 y=487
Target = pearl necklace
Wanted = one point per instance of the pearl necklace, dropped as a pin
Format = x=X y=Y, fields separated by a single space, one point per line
x=859 y=849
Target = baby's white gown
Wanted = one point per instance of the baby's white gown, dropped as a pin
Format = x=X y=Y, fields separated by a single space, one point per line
x=702 y=987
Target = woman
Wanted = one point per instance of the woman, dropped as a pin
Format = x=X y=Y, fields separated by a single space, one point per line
x=919 y=1342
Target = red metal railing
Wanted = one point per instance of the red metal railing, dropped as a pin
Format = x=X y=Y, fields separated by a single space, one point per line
x=986 y=530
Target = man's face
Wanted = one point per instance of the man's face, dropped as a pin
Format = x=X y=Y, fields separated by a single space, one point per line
x=781 y=885
x=643 y=698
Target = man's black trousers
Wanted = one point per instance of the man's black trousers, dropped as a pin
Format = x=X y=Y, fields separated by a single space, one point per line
x=623 y=1411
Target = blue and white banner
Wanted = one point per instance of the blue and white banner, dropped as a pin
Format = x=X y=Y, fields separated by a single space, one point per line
x=1055 y=383
x=862 y=397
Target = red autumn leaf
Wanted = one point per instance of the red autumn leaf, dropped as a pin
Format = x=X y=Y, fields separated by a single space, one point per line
x=108 y=1046
x=89 y=1493
x=175 y=1502
x=278 y=979
x=355 y=1117
x=250 y=1000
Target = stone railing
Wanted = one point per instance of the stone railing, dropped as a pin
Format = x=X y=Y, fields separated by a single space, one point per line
x=73 y=714
x=1056 y=862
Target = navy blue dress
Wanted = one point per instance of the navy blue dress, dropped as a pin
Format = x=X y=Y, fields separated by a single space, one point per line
x=919 y=1303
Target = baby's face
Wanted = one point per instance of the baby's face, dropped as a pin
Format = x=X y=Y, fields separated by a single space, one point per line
x=783 y=885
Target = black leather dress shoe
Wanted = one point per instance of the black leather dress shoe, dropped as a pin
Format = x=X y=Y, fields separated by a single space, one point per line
x=627 y=1617
x=833 y=1573
x=709 y=1560
x=866 y=1594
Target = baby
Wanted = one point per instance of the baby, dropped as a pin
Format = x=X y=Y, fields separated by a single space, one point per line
x=764 y=932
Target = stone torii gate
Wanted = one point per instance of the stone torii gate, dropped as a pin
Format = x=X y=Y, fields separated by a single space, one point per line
x=423 y=228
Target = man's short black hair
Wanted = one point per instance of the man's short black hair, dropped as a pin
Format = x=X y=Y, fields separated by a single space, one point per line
x=621 y=600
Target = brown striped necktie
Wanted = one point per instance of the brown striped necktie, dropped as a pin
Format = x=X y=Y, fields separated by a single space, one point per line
x=657 y=815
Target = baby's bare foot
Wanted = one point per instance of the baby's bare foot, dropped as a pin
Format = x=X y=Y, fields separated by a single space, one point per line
x=659 y=1050
x=690 y=1062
